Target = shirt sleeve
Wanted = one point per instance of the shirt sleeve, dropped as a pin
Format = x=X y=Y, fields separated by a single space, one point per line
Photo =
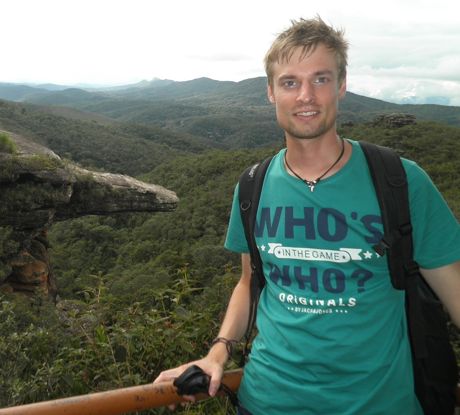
x=235 y=240
x=436 y=231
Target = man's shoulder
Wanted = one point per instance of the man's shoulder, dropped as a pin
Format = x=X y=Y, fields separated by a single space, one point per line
x=414 y=172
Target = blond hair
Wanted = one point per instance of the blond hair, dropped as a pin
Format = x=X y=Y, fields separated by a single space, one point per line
x=307 y=34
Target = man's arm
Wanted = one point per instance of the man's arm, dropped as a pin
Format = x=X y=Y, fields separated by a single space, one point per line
x=445 y=282
x=233 y=328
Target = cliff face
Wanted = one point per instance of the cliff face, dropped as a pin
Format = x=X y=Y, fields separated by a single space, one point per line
x=37 y=188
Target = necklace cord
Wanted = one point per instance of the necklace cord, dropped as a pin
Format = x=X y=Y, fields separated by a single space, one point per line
x=312 y=183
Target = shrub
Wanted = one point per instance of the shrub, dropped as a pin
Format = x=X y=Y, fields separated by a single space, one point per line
x=6 y=144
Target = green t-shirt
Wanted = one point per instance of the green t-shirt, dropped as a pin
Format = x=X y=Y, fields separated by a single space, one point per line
x=332 y=331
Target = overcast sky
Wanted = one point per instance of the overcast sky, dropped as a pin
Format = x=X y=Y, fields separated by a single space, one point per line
x=399 y=49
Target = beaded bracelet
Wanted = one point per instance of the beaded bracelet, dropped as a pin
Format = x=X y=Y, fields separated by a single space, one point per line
x=229 y=343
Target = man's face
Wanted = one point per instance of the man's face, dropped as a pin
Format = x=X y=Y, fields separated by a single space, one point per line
x=306 y=93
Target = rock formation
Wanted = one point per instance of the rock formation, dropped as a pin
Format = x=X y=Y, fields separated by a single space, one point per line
x=394 y=120
x=38 y=188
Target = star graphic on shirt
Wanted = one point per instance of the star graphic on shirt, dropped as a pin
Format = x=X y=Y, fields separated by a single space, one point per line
x=367 y=255
x=263 y=248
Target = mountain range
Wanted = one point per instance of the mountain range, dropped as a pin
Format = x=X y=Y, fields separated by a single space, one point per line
x=160 y=119
x=159 y=100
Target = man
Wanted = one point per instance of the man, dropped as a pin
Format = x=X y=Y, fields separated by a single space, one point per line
x=332 y=335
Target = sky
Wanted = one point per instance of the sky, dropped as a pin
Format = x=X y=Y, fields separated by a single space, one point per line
x=400 y=50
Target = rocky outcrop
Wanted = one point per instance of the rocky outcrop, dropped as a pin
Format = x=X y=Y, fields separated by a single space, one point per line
x=39 y=188
x=395 y=120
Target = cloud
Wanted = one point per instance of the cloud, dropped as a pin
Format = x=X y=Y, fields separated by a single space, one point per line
x=220 y=57
x=396 y=86
x=397 y=48
x=416 y=62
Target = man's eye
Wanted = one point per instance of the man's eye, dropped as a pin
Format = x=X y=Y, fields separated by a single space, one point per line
x=289 y=83
x=321 y=80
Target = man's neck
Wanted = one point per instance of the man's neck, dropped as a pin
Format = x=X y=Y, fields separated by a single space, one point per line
x=310 y=158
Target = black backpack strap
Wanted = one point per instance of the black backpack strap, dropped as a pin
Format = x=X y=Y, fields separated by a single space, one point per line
x=250 y=187
x=390 y=184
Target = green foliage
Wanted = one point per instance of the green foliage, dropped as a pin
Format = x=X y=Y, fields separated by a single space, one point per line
x=12 y=167
x=24 y=343
x=6 y=145
x=40 y=162
x=99 y=343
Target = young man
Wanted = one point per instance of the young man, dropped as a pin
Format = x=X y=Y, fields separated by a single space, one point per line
x=332 y=335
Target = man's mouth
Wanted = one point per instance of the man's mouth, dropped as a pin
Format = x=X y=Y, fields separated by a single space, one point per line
x=307 y=113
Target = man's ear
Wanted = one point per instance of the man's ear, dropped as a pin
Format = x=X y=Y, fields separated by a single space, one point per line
x=270 y=95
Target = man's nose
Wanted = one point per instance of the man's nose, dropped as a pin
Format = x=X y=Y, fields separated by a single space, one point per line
x=306 y=93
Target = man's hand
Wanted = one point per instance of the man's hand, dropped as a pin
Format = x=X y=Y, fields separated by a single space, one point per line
x=209 y=366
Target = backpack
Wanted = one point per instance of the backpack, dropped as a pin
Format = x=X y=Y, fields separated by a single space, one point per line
x=433 y=359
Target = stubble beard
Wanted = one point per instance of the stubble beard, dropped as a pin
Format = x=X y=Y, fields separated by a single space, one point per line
x=295 y=132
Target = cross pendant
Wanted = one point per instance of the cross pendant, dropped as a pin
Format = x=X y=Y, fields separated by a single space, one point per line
x=311 y=184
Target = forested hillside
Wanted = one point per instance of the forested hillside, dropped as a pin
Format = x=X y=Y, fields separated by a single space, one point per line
x=98 y=143
x=234 y=114
x=142 y=292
